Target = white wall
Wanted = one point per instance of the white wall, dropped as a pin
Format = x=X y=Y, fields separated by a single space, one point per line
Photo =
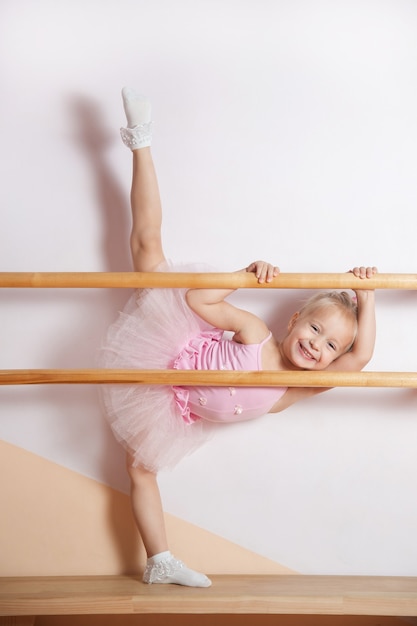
x=284 y=130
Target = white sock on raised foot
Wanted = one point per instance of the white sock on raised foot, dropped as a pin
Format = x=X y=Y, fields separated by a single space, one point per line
x=138 y=133
x=163 y=568
x=137 y=107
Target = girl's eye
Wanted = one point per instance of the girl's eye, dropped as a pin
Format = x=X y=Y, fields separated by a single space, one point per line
x=315 y=328
x=332 y=346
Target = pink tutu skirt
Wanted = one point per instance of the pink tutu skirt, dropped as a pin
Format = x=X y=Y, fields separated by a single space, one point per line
x=149 y=334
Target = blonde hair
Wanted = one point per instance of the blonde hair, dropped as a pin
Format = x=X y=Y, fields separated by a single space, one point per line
x=340 y=299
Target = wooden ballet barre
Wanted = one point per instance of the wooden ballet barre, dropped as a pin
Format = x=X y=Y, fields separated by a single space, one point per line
x=219 y=280
x=215 y=378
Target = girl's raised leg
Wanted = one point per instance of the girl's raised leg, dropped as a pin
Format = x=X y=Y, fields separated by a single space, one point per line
x=145 y=239
x=147 y=254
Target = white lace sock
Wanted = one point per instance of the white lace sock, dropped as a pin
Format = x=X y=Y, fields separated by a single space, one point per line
x=138 y=133
x=163 y=568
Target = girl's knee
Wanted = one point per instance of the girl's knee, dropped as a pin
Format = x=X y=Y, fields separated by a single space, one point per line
x=146 y=249
x=138 y=473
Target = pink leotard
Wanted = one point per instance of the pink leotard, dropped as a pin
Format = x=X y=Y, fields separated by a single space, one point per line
x=211 y=351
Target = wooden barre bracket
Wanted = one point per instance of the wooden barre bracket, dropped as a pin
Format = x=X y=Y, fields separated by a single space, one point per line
x=213 y=378
x=235 y=280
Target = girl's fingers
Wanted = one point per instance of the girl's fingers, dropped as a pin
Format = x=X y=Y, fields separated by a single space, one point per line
x=364 y=272
x=267 y=273
x=263 y=271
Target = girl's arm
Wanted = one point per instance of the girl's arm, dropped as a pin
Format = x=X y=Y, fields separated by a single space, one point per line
x=211 y=306
x=363 y=347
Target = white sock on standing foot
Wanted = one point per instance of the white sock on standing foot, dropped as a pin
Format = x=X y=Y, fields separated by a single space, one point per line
x=138 y=133
x=163 y=568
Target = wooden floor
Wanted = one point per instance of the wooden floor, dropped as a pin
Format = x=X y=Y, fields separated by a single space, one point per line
x=283 y=595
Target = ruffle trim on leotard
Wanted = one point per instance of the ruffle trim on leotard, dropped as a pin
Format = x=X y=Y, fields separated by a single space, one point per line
x=188 y=353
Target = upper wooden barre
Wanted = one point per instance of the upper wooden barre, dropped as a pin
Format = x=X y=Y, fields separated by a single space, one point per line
x=213 y=378
x=209 y=280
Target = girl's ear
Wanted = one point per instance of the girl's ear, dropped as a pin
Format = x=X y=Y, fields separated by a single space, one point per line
x=292 y=321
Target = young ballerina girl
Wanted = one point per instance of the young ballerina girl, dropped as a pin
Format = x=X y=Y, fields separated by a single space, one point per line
x=173 y=328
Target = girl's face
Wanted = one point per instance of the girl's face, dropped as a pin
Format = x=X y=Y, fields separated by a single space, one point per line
x=317 y=338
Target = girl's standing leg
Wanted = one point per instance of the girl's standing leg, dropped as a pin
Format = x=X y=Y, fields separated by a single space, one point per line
x=147 y=509
x=147 y=254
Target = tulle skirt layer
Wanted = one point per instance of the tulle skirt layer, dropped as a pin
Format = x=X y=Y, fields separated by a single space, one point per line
x=149 y=334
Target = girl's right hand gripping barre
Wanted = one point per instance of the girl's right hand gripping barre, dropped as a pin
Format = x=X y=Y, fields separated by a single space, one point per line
x=263 y=271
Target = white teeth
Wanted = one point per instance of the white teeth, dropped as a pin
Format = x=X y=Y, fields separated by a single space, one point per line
x=307 y=354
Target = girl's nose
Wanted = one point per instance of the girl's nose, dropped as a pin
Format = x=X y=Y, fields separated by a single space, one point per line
x=314 y=343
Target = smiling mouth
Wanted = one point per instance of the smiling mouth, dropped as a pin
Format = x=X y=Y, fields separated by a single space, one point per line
x=306 y=353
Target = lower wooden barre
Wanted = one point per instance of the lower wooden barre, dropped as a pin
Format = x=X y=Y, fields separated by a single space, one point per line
x=213 y=378
x=223 y=280
x=239 y=594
